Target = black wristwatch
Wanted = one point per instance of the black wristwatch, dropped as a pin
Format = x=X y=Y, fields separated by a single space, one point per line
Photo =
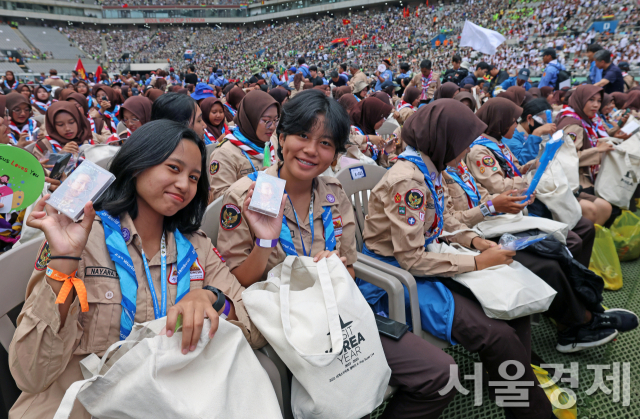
x=217 y=306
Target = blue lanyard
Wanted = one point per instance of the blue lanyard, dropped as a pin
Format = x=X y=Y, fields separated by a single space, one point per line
x=484 y=141
x=231 y=110
x=474 y=196
x=410 y=154
x=162 y=310
x=357 y=98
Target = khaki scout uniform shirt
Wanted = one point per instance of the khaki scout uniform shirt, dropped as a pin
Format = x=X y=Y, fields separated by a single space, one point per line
x=487 y=171
x=416 y=81
x=405 y=113
x=586 y=157
x=396 y=225
x=44 y=357
x=237 y=239
x=459 y=205
x=359 y=76
x=228 y=164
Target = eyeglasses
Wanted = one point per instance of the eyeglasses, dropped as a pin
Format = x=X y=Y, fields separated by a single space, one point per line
x=130 y=121
x=269 y=122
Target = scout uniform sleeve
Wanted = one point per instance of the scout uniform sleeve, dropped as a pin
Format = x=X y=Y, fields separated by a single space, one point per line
x=435 y=83
x=346 y=241
x=41 y=347
x=451 y=223
x=416 y=81
x=408 y=236
x=587 y=157
x=222 y=172
x=471 y=216
x=218 y=275
x=486 y=170
x=358 y=139
x=235 y=239
x=405 y=113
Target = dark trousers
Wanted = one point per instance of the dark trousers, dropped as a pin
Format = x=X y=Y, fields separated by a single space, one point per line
x=566 y=308
x=419 y=370
x=580 y=241
x=497 y=341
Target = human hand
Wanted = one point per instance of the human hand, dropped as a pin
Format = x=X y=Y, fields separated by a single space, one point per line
x=620 y=134
x=263 y=226
x=325 y=254
x=493 y=257
x=193 y=307
x=53 y=183
x=23 y=140
x=104 y=105
x=65 y=237
x=546 y=129
x=481 y=244
x=604 y=146
x=508 y=203
x=71 y=147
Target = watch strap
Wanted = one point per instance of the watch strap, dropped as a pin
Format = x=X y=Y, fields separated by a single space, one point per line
x=220 y=302
x=266 y=243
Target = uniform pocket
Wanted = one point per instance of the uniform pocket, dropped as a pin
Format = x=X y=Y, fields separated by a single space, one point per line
x=101 y=323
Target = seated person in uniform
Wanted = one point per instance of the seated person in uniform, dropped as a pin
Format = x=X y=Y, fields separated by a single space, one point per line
x=312 y=131
x=151 y=214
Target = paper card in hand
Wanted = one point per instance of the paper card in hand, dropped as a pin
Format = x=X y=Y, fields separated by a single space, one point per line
x=85 y=184
x=267 y=195
x=389 y=126
x=21 y=178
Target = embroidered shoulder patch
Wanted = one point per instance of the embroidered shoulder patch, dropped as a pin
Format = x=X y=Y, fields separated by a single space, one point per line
x=488 y=161
x=230 y=217
x=172 y=277
x=411 y=221
x=397 y=198
x=218 y=253
x=337 y=226
x=196 y=273
x=414 y=199
x=43 y=257
x=214 y=167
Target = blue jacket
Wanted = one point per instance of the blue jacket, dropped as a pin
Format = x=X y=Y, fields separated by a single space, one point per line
x=219 y=81
x=512 y=81
x=304 y=69
x=551 y=74
x=470 y=79
x=437 y=306
x=525 y=149
x=595 y=73
x=386 y=75
x=274 y=79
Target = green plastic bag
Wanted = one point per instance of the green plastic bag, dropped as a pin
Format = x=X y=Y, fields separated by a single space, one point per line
x=626 y=236
x=604 y=259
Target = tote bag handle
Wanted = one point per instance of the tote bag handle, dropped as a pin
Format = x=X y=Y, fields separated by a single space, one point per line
x=331 y=306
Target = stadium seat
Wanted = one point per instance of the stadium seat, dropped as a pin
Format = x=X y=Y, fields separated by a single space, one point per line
x=358 y=191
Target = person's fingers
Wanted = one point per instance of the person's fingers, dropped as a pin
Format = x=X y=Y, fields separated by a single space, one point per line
x=321 y=255
x=215 y=320
x=198 y=322
x=89 y=216
x=343 y=260
x=172 y=318
x=187 y=326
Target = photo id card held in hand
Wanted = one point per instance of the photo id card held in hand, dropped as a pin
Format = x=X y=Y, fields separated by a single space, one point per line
x=267 y=195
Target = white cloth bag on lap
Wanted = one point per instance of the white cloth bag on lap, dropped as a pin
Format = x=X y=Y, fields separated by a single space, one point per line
x=619 y=173
x=320 y=325
x=553 y=190
x=505 y=292
x=497 y=225
x=567 y=156
x=149 y=377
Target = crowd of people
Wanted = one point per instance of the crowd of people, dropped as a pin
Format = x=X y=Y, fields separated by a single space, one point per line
x=460 y=154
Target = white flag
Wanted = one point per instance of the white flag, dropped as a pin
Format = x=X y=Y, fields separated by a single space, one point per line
x=480 y=39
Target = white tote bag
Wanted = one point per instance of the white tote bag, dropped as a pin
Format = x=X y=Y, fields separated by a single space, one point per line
x=505 y=292
x=149 y=377
x=619 y=173
x=554 y=191
x=320 y=325
x=567 y=156
x=515 y=223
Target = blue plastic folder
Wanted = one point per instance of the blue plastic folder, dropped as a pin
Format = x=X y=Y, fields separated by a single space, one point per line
x=550 y=151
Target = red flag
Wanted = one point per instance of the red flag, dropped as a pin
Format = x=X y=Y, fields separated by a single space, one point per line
x=80 y=69
x=345 y=21
x=98 y=74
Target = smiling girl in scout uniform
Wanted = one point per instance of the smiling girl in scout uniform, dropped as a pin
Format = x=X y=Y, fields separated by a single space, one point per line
x=408 y=209
x=213 y=118
x=492 y=164
x=22 y=126
x=67 y=129
x=242 y=150
x=318 y=221
x=139 y=258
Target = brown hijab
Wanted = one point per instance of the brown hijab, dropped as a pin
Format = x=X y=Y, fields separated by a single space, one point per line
x=411 y=94
x=114 y=97
x=535 y=92
x=606 y=100
x=278 y=94
x=368 y=112
x=64 y=94
x=442 y=130
x=515 y=94
x=499 y=114
x=466 y=96
x=153 y=94
x=234 y=97
x=307 y=86
x=447 y=91
x=382 y=96
x=206 y=105
x=140 y=106
x=633 y=101
x=297 y=81
x=16 y=99
x=619 y=99
x=248 y=117
x=546 y=91
x=577 y=101
x=557 y=97
x=84 y=129
x=338 y=92
x=82 y=100
x=348 y=102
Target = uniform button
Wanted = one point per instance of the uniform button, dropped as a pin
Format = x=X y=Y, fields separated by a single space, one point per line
x=108 y=295
x=73 y=311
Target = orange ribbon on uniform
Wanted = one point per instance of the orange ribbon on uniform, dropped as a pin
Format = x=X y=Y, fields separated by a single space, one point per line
x=70 y=281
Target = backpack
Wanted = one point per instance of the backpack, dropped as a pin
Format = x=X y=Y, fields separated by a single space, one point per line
x=455 y=76
x=563 y=75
